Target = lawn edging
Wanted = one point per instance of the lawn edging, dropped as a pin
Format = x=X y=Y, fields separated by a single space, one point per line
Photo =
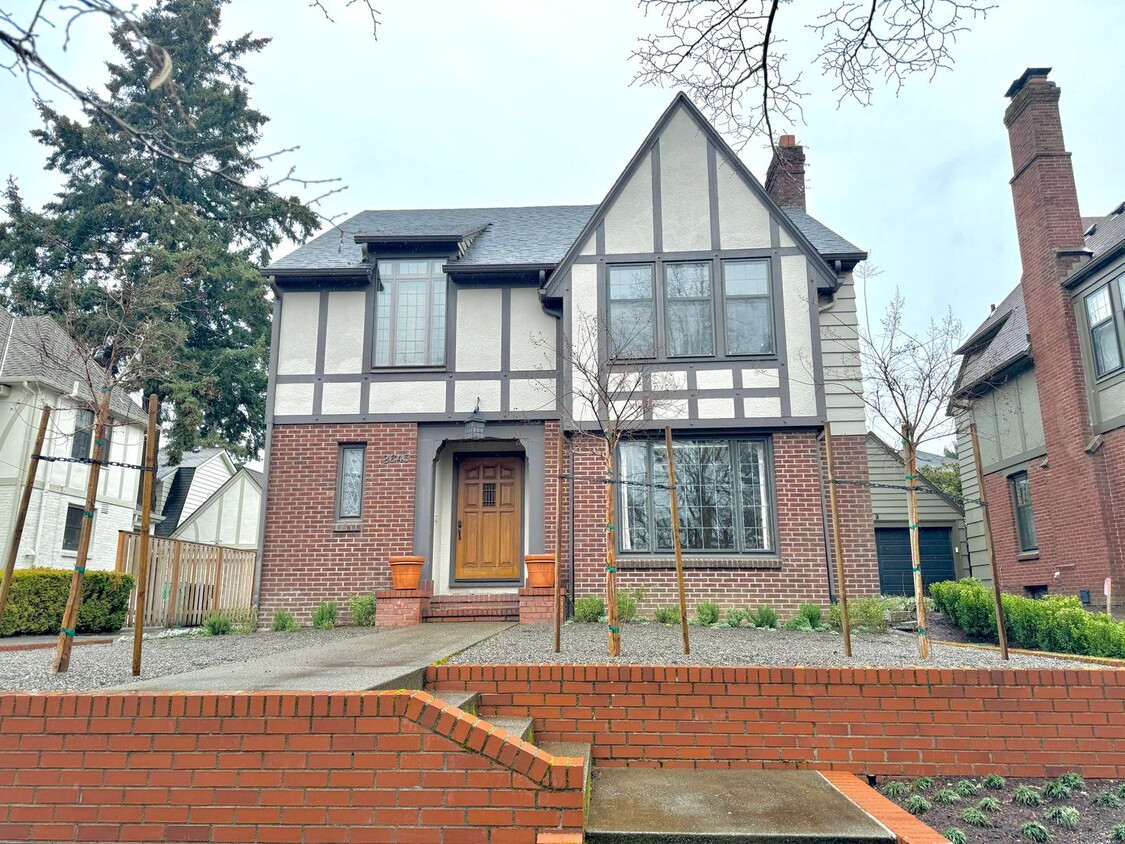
x=1095 y=660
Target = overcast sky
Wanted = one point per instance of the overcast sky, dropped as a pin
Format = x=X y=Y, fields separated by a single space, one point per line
x=528 y=102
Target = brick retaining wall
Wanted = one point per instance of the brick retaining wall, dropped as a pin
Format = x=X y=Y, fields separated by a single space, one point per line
x=910 y=722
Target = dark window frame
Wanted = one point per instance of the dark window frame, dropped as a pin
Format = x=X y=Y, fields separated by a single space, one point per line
x=340 y=452
x=82 y=442
x=654 y=298
x=1112 y=320
x=768 y=297
x=388 y=276
x=1027 y=539
x=710 y=300
x=72 y=535
x=738 y=528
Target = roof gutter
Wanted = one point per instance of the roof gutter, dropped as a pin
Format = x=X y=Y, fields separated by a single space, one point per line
x=469 y=269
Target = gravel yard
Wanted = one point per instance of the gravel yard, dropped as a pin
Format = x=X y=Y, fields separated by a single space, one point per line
x=99 y=666
x=659 y=644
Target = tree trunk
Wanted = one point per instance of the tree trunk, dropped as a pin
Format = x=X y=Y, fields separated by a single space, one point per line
x=611 y=551
x=911 y=462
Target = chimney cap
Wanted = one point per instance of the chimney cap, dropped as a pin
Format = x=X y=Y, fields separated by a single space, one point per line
x=787 y=141
x=1030 y=73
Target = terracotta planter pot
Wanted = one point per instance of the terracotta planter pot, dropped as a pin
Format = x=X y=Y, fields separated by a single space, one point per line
x=540 y=569
x=406 y=571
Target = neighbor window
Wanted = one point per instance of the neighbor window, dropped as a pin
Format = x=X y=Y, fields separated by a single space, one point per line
x=72 y=529
x=723 y=493
x=349 y=485
x=747 y=308
x=1025 y=521
x=1103 y=331
x=688 y=310
x=632 y=312
x=410 y=314
x=83 y=434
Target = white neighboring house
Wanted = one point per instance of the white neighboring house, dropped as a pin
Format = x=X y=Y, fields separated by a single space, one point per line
x=181 y=489
x=40 y=364
x=230 y=517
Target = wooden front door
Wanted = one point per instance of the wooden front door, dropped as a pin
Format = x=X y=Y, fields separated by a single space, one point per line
x=489 y=517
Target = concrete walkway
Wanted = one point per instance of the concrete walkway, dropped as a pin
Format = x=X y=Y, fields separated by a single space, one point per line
x=387 y=659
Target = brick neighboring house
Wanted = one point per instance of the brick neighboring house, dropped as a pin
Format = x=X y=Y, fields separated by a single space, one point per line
x=1044 y=378
x=391 y=330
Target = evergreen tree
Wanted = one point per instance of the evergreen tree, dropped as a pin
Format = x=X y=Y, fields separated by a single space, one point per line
x=152 y=263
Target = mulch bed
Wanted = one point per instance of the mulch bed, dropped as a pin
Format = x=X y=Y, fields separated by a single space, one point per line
x=1095 y=826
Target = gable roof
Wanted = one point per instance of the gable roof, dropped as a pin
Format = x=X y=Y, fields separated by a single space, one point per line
x=36 y=348
x=998 y=343
x=254 y=476
x=786 y=221
x=181 y=475
x=931 y=461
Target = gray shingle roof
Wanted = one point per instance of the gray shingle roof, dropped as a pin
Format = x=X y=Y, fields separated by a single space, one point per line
x=1109 y=232
x=827 y=242
x=36 y=348
x=188 y=460
x=1009 y=344
x=511 y=236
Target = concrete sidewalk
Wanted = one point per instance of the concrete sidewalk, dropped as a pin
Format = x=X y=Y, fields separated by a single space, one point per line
x=387 y=659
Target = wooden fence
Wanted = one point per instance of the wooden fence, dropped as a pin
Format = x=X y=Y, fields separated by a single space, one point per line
x=187 y=581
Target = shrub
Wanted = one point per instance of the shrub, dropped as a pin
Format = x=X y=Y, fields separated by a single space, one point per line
x=283 y=622
x=324 y=616
x=362 y=609
x=868 y=613
x=707 y=612
x=812 y=612
x=627 y=600
x=967 y=788
x=975 y=817
x=994 y=781
x=1108 y=799
x=798 y=622
x=955 y=836
x=989 y=804
x=667 y=615
x=923 y=783
x=738 y=617
x=764 y=616
x=916 y=804
x=1056 y=790
x=1072 y=780
x=1065 y=816
x=947 y=797
x=1035 y=831
x=1025 y=795
x=896 y=788
x=217 y=625
x=38 y=597
x=589 y=609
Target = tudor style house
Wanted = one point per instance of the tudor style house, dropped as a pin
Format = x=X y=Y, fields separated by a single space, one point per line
x=1043 y=377
x=422 y=369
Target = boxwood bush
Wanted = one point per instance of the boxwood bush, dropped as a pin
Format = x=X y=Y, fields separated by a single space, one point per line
x=38 y=599
x=1056 y=623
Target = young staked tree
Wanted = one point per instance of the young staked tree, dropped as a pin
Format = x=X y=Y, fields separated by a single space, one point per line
x=613 y=391
x=151 y=258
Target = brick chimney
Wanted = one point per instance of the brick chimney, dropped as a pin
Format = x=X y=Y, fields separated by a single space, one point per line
x=1071 y=484
x=785 y=179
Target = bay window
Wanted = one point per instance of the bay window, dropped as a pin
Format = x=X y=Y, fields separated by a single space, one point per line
x=1103 y=329
x=410 y=314
x=723 y=492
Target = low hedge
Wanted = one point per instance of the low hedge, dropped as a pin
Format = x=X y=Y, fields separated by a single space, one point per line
x=38 y=599
x=1056 y=623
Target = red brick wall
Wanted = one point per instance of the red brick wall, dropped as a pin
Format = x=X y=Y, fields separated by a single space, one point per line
x=803 y=575
x=272 y=767
x=901 y=722
x=305 y=560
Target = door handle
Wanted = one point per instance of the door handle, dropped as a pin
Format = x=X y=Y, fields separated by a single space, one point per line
x=458 y=530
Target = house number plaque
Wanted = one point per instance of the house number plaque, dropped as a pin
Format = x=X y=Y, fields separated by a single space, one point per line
x=397 y=457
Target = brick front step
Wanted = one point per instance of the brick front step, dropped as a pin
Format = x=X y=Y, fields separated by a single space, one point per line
x=504 y=607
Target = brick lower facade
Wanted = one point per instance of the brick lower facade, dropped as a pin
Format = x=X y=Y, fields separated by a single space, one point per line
x=308 y=559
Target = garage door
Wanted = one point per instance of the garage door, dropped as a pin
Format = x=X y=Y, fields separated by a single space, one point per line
x=893 y=548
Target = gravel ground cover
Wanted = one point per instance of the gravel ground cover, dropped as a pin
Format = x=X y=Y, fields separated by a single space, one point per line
x=659 y=644
x=98 y=666
x=1093 y=800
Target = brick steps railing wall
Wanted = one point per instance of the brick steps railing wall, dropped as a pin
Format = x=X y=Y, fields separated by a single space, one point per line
x=503 y=607
x=911 y=722
x=273 y=767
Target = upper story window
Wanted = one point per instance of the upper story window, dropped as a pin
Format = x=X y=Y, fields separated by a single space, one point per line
x=1025 y=518
x=410 y=314
x=83 y=437
x=680 y=322
x=1102 y=317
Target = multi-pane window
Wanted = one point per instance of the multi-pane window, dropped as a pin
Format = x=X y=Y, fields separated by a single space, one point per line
x=410 y=314
x=681 y=321
x=747 y=307
x=72 y=529
x=349 y=485
x=723 y=493
x=1103 y=331
x=632 y=311
x=1025 y=519
x=688 y=310
x=83 y=434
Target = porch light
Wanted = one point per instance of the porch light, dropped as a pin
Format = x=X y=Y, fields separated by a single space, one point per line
x=474 y=426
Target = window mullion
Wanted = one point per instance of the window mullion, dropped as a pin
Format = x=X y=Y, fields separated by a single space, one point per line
x=736 y=496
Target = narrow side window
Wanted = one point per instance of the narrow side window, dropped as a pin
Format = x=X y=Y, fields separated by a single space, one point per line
x=349 y=485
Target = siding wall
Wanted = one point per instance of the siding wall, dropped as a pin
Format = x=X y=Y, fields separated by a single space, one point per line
x=974 y=517
x=207 y=479
x=230 y=517
x=1009 y=424
x=1107 y=395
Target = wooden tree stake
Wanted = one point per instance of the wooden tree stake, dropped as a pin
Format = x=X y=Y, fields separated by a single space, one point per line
x=676 y=538
x=1001 y=630
x=611 y=552
x=558 y=541
x=74 y=601
x=149 y=477
x=837 y=543
x=21 y=515
x=911 y=463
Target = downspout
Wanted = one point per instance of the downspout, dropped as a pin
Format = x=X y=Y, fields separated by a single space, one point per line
x=271 y=388
x=824 y=519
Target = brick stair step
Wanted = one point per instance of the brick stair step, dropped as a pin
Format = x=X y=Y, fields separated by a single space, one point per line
x=580 y=749
x=727 y=806
x=514 y=724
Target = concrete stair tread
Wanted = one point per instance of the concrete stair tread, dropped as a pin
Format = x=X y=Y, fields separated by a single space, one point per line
x=514 y=724
x=462 y=699
x=579 y=749
x=725 y=806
